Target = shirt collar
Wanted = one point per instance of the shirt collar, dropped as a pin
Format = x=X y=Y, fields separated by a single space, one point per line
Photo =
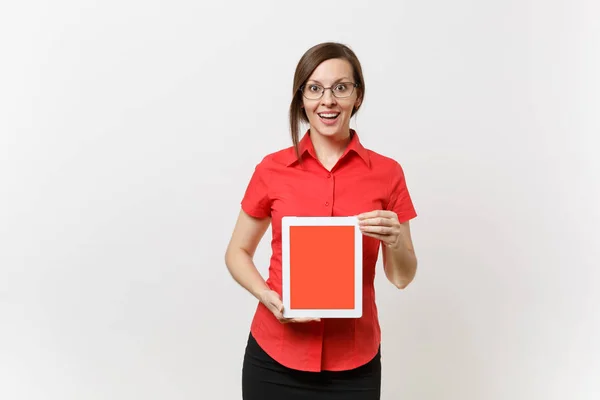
x=306 y=146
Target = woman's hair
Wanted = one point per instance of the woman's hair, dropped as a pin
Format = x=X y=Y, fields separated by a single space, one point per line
x=307 y=64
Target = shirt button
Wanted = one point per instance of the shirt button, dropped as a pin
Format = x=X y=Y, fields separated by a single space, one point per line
x=326 y=203
x=329 y=175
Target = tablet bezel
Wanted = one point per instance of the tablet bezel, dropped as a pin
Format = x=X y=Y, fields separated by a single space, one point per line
x=286 y=223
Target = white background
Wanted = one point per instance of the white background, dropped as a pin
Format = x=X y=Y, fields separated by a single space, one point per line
x=128 y=133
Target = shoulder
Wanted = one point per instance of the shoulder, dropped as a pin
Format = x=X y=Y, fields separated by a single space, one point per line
x=384 y=163
x=272 y=165
x=277 y=158
x=388 y=171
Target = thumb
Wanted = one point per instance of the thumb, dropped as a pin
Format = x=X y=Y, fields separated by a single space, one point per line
x=275 y=302
x=278 y=305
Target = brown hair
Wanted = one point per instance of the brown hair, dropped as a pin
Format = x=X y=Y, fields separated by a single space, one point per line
x=307 y=64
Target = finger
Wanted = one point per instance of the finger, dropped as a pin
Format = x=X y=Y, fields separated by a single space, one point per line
x=304 y=320
x=276 y=310
x=376 y=214
x=277 y=313
x=276 y=302
x=387 y=239
x=300 y=320
x=369 y=214
x=285 y=320
x=377 y=221
x=381 y=230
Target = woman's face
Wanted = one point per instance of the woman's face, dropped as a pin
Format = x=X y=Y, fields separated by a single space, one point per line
x=329 y=115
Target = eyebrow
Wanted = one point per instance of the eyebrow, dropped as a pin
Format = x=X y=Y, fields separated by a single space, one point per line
x=346 y=79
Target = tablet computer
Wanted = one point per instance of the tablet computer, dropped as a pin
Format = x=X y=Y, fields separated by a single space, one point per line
x=321 y=267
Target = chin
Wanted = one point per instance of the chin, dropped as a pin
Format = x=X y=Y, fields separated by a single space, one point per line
x=328 y=130
x=332 y=131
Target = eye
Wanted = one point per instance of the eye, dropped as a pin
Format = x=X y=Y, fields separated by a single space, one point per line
x=314 y=88
x=340 y=87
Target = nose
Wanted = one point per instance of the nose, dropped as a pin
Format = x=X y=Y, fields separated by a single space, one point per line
x=328 y=98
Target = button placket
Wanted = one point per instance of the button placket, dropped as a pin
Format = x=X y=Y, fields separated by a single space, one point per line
x=330 y=191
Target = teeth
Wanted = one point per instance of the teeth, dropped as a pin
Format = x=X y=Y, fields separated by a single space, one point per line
x=328 y=115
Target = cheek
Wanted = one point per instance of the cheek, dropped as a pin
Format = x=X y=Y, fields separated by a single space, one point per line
x=348 y=110
x=311 y=109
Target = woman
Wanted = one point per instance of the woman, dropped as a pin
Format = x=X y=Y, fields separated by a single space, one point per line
x=327 y=173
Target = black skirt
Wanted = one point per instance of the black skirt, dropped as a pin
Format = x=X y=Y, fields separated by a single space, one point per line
x=263 y=378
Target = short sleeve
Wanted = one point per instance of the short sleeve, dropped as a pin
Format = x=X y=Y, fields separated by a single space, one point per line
x=256 y=201
x=400 y=201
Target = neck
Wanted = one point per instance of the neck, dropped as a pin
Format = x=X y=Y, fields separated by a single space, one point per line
x=330 y=148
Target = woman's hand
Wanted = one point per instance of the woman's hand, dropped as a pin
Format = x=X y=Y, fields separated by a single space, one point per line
x=272 y=301
x=382 y=225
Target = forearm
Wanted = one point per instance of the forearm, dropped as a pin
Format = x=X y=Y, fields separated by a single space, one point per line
x=244 y=272
x=400 y=264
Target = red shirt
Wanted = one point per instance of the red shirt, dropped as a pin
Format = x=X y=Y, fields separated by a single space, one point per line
x=361 y=181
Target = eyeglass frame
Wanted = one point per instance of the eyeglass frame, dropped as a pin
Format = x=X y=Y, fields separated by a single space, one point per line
x=354 y=86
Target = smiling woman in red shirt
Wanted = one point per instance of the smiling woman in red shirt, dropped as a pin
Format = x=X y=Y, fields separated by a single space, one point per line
x=326 y=173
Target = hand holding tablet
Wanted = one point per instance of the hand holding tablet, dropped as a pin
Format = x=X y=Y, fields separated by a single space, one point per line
x=272 y=301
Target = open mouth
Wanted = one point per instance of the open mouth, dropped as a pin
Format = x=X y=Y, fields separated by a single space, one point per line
x=328 y=118
x=329 y=115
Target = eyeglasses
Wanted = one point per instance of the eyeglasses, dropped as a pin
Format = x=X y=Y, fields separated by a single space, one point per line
x=340 y=90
